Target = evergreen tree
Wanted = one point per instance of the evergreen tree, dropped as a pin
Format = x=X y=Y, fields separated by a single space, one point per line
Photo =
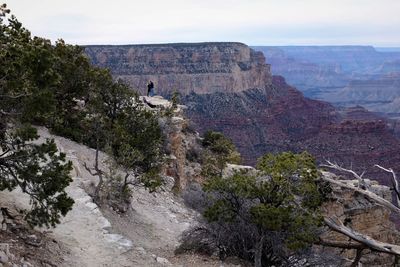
x=269 y=216
x=26 y=79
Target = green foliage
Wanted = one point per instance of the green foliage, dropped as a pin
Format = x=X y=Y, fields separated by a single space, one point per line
x=169 y=111
x=26 y=84
x=56 y=86
x=219 y=151
x=40 y=171
x=298 y=174
x=281 y=201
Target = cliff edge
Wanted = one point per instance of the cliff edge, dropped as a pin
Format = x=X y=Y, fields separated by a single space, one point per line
x=188 y=67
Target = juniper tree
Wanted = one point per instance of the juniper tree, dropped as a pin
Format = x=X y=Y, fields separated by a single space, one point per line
x=38 y=169
x=268 y=216
x=219 y=150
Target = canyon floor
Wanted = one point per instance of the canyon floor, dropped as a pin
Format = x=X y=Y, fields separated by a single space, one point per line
x=146 y=235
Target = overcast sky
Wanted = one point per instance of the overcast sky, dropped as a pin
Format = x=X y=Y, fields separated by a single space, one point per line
x=254 y=22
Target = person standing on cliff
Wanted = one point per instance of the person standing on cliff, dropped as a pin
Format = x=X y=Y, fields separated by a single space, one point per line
x=150 y=88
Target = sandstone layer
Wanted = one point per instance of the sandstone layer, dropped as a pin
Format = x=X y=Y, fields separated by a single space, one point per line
x=199 y=68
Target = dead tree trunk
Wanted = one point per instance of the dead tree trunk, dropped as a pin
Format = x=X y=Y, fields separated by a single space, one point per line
x=336 y=225
x=259 y=251
x=97 y=172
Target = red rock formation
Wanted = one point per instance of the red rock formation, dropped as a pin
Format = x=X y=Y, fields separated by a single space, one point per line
x=279 y=118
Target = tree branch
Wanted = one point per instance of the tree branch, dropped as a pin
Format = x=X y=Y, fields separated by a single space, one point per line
x=14 y=96
x=2 y=112
x=394 y=181
x=381 y=201
x=336 y=225
x=357 y=258
x=339 y=168
x=339 y=244
x=89 y=169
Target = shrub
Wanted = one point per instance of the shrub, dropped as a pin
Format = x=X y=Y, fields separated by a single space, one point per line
x=267 y=218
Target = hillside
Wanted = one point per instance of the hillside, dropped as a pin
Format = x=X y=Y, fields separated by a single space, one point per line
x=149 y=232
x=90 y=235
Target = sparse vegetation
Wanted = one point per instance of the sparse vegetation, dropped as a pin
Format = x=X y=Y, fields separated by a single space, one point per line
x=219 y=151
x=265 y=218
x=57 y=87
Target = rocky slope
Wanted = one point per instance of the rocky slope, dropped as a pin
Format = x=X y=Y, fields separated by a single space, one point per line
x=258 y=112
x=279 y=118
x=92 y=236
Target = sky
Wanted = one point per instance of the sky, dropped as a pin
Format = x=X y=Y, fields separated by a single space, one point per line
x=254 y=22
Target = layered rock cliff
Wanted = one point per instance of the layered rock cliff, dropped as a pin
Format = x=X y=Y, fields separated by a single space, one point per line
x=343 y=75
x=279 y=118
x=229 y=88
x=199 y=68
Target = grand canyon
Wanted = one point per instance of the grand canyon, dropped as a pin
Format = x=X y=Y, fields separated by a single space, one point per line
x=343 y=75
x=200 y=134
x=230 y=88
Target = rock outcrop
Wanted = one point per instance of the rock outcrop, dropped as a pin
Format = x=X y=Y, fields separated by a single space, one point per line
x=182 y=143
x=199 y=68
x=363 y=216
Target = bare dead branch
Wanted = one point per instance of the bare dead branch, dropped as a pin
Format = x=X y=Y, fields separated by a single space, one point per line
x=379 y=200
x=15 y=96
x=336 y=166
x=340 y=244
x=89 y=169
x=395 y=182
x=336 y=225
x=357 y=258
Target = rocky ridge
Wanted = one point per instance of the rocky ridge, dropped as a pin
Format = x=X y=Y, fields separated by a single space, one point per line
x=343 y=75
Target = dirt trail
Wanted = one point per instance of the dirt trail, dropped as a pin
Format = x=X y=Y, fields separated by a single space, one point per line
x=146 y=235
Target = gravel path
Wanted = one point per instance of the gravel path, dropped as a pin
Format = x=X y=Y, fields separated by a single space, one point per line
x=146 y=235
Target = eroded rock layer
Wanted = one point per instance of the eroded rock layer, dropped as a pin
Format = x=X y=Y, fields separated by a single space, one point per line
x=200 y=68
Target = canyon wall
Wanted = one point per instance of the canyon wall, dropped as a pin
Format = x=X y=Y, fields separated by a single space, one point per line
x=279 y=118
x=343 y=75
x=228 y=87
x=188 y=68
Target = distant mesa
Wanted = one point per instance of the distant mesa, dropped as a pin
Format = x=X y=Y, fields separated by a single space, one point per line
x=187 y=67
x=343 y=75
